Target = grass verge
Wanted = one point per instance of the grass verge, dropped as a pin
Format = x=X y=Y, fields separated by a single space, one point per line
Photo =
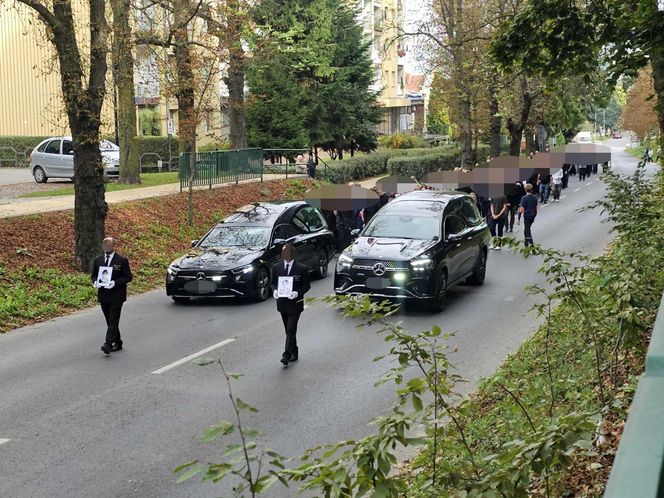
x=38 y=280
x=147 y=180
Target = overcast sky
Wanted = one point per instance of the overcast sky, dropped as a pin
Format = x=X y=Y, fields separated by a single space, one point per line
x=415 y=12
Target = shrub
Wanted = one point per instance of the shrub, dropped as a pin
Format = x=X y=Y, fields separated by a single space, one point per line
x=402 y=141
x=159 y=146
x=23 y=146
x=215 y=146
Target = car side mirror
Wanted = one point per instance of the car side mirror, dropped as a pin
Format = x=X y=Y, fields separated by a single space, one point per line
x=193 y=243
x=355 y=232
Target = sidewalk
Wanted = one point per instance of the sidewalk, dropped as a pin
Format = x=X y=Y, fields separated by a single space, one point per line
x=66 y=202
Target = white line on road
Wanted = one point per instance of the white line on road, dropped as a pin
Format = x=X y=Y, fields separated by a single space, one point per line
x=3 y=441
x=192 y=356
x=588 y=184
x=577 y=189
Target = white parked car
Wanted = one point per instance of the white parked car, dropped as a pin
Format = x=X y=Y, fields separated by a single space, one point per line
x=583 y=137
x=54 y=158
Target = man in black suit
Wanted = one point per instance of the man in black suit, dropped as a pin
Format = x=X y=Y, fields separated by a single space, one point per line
x=113 y=294
x=290 y=307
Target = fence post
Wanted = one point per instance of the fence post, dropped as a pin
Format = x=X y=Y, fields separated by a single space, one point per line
x=237 y=169
x=262 y=164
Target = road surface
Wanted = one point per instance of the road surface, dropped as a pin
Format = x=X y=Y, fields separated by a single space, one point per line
x=74 y=423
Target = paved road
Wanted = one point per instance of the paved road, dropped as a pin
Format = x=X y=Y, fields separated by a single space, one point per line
x=81 y=425
x=10 y=176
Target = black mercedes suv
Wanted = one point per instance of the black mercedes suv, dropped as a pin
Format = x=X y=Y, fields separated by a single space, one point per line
x=235 y=258
x=416 y=247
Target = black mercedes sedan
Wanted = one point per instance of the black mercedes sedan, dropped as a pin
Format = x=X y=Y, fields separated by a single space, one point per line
x=415 y=248
x=235 y=258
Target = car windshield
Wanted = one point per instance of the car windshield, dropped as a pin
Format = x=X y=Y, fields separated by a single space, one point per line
x=105 y=145
x=237 y=236
x=404 y=226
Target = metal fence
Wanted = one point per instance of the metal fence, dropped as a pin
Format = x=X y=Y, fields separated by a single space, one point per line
x=638 y=469
x=287 y=161
x=211 y=168
x=14 y=158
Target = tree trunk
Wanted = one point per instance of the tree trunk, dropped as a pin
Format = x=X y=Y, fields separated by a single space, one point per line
x=465 y=134
x=237 y=116
x=185 y=85
x=516 y=128
x=495 y=124
x=123 y=72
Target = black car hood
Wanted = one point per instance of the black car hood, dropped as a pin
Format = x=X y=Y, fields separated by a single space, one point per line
x=388 y=248
x=217 y=258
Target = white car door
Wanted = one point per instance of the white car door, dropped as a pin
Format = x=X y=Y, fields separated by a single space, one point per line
x=51 y=161
x=67 y=159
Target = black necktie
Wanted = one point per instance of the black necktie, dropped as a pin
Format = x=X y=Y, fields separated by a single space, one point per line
x=108 y=260
x=287 y=268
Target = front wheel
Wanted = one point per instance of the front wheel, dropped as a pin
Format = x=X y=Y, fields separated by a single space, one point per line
x=438 y=303
x=477 y=278
x=262 y=282
x=40 y=175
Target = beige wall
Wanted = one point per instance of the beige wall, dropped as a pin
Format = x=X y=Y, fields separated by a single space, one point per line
x=30 y=97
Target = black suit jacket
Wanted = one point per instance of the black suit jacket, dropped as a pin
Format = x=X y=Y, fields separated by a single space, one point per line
x=121 y=275
x=300 y=274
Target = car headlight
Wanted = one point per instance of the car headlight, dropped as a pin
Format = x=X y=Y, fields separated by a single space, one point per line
x=344 y=262
x=243 y=271
x=172 y=270
x=422 y=263
x=216 y=278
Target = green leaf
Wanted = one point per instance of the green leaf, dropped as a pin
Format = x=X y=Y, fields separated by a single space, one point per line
x=193 y=471
x=216 y=431
x=241 y=405
x=203 y=361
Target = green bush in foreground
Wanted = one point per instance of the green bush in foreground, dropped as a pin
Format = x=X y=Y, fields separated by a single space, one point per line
x=544 y=412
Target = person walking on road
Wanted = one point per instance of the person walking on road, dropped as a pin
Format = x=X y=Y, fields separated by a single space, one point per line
x=528 y=209
x=557 y=181
x=311 y=165
x=111 y=291
x=514 y=198
x=544 y=187
x=290 y=306
x=582 y=172
x=497 y=217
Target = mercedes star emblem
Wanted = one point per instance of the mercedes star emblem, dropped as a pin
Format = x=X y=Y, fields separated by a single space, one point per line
x=200 y=276
x=379 y=269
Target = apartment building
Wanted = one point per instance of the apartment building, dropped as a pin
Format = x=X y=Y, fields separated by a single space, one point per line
x=30 y=88
x=382 y=21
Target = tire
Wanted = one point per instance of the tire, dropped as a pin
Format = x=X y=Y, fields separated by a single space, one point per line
x=479 y=273
x=262 y=285
x=323 y=264
x=438 y=303
x=180 y=300
x=39 y=174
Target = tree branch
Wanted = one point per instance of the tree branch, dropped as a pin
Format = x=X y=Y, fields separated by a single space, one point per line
x=44 y=13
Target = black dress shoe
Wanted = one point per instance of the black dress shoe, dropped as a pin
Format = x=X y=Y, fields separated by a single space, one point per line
x=106 y=348
x=293 y=357
x=284 y=360
x=116 y=347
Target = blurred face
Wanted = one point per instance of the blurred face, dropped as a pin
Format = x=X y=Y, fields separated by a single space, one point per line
x=288 y=253
x=108 y=245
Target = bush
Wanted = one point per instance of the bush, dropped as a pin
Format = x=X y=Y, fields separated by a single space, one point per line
x=215 y=146
x=402 y=141
x=359 y=167
x=159 y=146
x=23 y=146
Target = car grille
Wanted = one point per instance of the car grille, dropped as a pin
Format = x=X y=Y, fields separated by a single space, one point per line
x=368 y=264
x=192 y=274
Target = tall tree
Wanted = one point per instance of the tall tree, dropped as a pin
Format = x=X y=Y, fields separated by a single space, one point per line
x=639 y=113
x=566 y=37
x=123 y=76
x=83 y=82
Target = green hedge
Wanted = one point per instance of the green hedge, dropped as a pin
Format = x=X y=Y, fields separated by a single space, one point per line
x=407 y=162
x=419 y=166
x=22 y=144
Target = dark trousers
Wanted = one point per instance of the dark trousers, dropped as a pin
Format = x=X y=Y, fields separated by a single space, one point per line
x=528 y=221
x=565 y=180
x=498 y=224
x=556 y=191
x=511 y=214
x=290 y=325
x=582 y=174
x=112 y=313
